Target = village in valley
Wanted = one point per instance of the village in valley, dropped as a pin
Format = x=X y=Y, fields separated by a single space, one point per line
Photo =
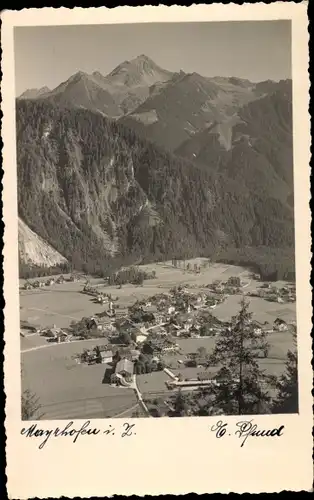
x=117 y=348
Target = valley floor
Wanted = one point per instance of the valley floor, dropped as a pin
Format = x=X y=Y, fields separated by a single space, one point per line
x=70 y=390
x=61 y=304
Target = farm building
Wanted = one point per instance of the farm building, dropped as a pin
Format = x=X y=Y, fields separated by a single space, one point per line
x=124 y=368
x=63 y=337
x=56 y=334
x=159 y=330
x=106 y=356
x=234 y=281
x=74 y=278
x=150 y=308
x=51 y=332
x=134 y=354
x=280 y=325
x=139 y=337
x=159 y=317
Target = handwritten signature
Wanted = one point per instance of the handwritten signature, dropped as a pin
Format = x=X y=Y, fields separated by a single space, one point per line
x=245 y=429
x=34 y=431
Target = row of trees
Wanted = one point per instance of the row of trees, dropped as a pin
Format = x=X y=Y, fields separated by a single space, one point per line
x=132 y=275
x=271 y=263
x=29 y=271
x=144 y=364
x=179 y=263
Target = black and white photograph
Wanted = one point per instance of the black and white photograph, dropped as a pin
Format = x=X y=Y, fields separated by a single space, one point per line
x=156 y=238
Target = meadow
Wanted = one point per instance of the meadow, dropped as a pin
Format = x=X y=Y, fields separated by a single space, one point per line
x=68 y=390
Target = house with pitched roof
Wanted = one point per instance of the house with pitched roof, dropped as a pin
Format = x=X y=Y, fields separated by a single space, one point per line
x=106 y=356
x=125 y=368
x=280 y=325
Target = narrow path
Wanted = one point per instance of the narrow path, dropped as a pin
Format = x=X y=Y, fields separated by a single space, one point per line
x=125 y=411
x=45 y=346
x=247 y=284
x=140 y=397
x=29 y=335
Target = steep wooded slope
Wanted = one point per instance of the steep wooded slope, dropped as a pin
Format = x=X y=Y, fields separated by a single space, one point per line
x=187 y=104
x=254 y=147
x=93 y=190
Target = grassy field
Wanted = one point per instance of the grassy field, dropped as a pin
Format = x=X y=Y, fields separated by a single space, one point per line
x=279 y=342
x=32 y=342
x=67 y=390
x=152 y=383
x=59 y=305
x=262 y=310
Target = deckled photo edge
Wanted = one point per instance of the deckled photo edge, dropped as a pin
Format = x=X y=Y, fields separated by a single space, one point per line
x=12 y=349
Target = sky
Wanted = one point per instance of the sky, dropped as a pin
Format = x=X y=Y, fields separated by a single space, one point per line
x=256 y=50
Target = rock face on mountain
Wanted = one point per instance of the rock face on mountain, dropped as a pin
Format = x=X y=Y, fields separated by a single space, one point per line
x=95 y=191
x=129 y=83
x=83 y=91
x=34 y=250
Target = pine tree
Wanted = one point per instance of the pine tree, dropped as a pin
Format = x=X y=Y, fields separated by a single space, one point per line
x=30 y=406
x=181 y=404
x=288 y=395
x=241 y=383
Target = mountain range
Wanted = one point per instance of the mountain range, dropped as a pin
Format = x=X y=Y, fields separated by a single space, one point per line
x=163 y=106
x=145 y=164
x=113 y=95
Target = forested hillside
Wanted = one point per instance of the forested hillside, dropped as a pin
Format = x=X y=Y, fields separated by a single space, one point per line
x=99 y=194
x=187 y=104
x=254 y=146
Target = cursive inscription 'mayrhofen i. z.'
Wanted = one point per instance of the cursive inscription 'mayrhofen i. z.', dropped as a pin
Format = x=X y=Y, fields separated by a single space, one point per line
x=34 y=431
x=244 y=430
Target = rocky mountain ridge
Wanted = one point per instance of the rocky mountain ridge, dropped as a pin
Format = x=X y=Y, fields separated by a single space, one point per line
x=165 y=107
x=115 y=94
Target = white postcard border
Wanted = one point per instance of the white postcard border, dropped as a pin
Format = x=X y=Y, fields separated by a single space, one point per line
x=167 y=455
